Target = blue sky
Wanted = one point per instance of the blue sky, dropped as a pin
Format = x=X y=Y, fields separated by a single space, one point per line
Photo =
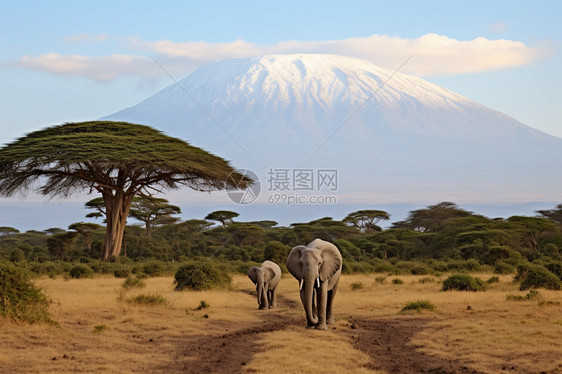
x=67 y=61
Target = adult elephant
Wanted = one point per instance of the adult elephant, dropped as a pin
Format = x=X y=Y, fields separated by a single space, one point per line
x=266 y=278
x=317 y=267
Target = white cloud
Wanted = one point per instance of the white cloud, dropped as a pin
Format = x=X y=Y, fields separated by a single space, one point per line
x=434 y=55
x=104 y=68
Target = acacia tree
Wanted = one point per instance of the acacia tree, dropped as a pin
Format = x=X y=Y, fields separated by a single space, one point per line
x=554 y=215
x=366 y=220
x=85 y=229
x=119 y=160
x=432 y=218
x=153 y=212
x=225 y=217
x=98 y=205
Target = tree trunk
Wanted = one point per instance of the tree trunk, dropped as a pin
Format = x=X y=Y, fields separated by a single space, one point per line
x=117 y=209
x=148 y=226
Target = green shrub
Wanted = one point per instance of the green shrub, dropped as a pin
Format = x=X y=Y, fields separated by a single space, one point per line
x=153 y=268
x=49 y=268
x=380 y=279
x=531 y=295
x=20 y=299
x=463 y=282
x=418 y=306
x=100 y=328
x=420 y=269
x=357 y=286
x=133 y=282
x=426 y=280
x=397 y=281
x=502 y=267
x=555 y=268
x=150 y=300
x=536 y=276
x=17 y=256
x=493 y=280
x=201 y=276
x=122 y=273
x=81 y=271
x=202 y=305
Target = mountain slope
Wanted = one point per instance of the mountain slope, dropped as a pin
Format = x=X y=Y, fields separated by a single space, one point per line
x=392 y=137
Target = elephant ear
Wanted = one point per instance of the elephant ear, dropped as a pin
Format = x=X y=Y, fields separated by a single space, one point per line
x=269 y=274
x=294 y=262
x=253 y=274
x=332 y=260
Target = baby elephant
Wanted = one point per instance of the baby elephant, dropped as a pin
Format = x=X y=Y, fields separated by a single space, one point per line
x=266 y=278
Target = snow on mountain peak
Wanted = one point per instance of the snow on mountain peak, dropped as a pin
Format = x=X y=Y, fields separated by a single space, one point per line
x=384 y=131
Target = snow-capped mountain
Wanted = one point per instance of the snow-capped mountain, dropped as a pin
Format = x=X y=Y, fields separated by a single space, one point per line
x=391 y=136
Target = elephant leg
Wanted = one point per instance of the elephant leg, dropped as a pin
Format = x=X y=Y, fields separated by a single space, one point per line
x=321 y=308
x=273 y=302
x=330 y=301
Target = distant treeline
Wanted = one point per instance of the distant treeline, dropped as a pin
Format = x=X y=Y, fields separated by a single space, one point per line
x=440 y=237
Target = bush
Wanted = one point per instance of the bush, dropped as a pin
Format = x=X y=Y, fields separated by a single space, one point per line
x=397 y=281
x=202 y=305
x=81 y=271
x=418 y=306
x=531 y=295
x=153 y=268
x=50 y=268
x=121 y=273
x=20 y=299
x=100 y=328
x=357 y=286
x=463 y=282
x=426 y=280
x=555 y=268
x=536 y=276
x=17 y=256
x=502 y=267
x=493 y=280
x=201 y=276
x=133 y=282
x=150 y=300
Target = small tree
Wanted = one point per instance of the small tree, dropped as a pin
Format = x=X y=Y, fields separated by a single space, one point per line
x=555 y=215
x=60 y=244
x=366 y=220
x=118 y=160
x=5 y=230
x=531 y=228
x=85 y=229
x=98 y=205
x=225 y=217
x=432 y=218
x=153 y=212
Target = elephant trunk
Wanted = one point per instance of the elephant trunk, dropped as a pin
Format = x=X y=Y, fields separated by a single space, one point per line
x=307 y=297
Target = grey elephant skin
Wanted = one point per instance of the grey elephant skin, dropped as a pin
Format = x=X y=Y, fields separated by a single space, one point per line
x=317 y=266
x=266 y=277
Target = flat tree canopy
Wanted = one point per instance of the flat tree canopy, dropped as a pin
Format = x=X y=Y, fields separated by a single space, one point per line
x=116 y=159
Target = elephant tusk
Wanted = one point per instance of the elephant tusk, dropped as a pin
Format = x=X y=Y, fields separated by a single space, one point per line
x=318 y=282
x=301 y=283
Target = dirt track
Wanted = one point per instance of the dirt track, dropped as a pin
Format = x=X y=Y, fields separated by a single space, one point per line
x=386 y=341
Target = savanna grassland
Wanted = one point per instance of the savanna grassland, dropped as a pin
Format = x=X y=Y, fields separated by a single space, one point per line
x=100 y=329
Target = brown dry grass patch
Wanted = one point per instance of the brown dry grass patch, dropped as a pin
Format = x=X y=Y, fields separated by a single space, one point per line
x=467 y=331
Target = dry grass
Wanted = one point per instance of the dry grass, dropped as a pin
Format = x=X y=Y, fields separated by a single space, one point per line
x=493 y=334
